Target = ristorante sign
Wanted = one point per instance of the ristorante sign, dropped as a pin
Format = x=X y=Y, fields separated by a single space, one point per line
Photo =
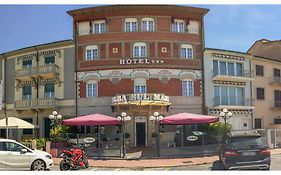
x=127 y=98
x=140 y=61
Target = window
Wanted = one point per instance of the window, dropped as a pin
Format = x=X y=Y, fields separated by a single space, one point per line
x=276 y=72
x=11 y=146
x=26 y=92
x=50 y=60
x=257 y=123
x=147 y=24
x=193 y=27
x=259 y=70
x=277 y=99
x=49 y=90
x=140 y=86
x=84 y=28
x=260 y=93
x=99 y=26
x=130 y=25
x=84 y=129
x=139 y=50
x=91 y=52
x=227 y=68
x=27 y=131
x=277 y=121
x=178 y=25
x=224 y=95
x=27 y=64
x=187 y=88
x=186 y=51
x=92 y=89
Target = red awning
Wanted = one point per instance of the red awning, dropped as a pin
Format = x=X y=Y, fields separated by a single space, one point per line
x=188 y=118
x=91 y=120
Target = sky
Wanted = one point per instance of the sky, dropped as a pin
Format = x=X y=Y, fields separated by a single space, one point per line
x=230 y=27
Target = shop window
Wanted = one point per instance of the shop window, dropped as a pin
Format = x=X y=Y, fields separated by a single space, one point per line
x=139 y=50
x=92 y=89
x=91 y=52
x=130 y=25
x=187 y=88
x=186 y=51
x=147 y=24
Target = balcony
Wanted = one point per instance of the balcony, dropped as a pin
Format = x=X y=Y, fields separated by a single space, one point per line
x=235 y=75
x=275 y=80
x=47 y=71
x=232 y=102
x=35 y=104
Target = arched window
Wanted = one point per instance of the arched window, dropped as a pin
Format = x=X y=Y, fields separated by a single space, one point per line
x=187 y=87
x=139 y=50
x=140 y=85
x=147 y=24
x=186 y=51
x=130 y=25
x=91 y=52
x=99 y=26
x=92 y=88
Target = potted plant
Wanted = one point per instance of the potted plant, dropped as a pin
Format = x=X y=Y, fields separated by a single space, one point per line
x=57 y=139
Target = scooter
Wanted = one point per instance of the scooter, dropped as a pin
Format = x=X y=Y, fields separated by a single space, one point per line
x=74 y=159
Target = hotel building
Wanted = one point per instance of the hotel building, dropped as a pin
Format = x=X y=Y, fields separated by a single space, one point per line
x=138 y=59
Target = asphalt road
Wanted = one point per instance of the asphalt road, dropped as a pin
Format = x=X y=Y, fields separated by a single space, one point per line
x=275 y=165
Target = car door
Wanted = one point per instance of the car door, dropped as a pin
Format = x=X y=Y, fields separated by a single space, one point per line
x=17 y=160
x=3 y=156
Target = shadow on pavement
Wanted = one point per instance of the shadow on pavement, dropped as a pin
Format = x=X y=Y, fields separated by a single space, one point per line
x=217 y=165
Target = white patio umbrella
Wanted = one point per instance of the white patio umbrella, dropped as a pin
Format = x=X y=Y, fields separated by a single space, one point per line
x=15 y=123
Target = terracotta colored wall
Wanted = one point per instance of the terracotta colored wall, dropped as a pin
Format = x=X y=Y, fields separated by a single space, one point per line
x=102 y=51
x=115 y=25
x=164 y=54
x=115 y=55
x=197 y=89
x=152 y=49
x=106 y=88
x=163 y=24
x=82 y=89
x=172 y=88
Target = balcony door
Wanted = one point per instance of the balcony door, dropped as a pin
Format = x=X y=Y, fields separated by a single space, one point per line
x=277 y=99
x=49 y=90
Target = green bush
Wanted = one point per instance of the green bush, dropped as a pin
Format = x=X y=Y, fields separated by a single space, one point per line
x=217 y=128
x=41 y=143
x=58 y=132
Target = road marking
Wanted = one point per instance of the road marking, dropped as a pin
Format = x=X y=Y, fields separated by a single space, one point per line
x=117 y=169
x=167 y=169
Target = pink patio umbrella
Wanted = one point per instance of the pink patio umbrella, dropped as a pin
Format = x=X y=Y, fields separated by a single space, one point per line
x=91 y=120
x=188 y=118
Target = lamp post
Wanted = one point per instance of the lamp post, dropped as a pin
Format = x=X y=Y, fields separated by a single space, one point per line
x=225 y=114
x=123 y=118
x=156 y=117
x=55 y=118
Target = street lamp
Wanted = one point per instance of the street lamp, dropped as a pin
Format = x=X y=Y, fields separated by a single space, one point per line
x=225 y=114
x=123 y=118
x=156 y=117
x=56 y=119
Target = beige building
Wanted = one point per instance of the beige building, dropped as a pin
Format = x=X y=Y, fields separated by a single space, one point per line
x=228 y=85
x=267 y=83
x=36 y=81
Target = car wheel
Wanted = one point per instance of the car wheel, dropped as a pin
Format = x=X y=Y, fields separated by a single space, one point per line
x=38 y=165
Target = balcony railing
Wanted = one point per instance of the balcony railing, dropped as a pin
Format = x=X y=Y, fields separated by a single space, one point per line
x=276 y=80
x=36 y=103
x=235 y=73
x=276 y=104
x=37 y=70
x=232 y=101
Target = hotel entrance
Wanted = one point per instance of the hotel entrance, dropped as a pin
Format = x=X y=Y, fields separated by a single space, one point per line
x=140 y=132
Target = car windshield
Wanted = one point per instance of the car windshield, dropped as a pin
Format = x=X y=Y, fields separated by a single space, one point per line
x=247 y=143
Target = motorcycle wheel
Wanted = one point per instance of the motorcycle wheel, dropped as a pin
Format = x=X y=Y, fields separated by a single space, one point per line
x=64 y=166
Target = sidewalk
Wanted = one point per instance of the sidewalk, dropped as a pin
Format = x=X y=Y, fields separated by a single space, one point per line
x=153 y=163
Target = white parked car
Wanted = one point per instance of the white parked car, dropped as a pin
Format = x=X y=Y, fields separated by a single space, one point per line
x=15 y=156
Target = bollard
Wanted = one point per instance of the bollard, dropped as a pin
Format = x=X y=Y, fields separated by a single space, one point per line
x=33 y=144
x=48 y=147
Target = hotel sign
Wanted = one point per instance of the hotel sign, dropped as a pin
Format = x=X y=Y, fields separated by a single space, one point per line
x=127 y=98
x=140 y=61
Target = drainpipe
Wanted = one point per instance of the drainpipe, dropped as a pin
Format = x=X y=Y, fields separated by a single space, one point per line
x=37 y=91
x=76 y=67
x=5 y=96
x=202 y=67
x=251 y=92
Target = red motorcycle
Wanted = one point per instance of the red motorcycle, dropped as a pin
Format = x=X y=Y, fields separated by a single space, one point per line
x=74 y=159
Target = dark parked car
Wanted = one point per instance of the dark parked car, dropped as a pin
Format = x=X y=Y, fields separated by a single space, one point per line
x=244 y=150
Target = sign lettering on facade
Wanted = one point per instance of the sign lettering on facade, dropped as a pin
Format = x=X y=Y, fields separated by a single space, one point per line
x=141 y=61
x=140 y=97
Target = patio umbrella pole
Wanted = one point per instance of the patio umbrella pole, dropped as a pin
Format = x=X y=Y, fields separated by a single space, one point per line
x=99 y=139
x=7 y=128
